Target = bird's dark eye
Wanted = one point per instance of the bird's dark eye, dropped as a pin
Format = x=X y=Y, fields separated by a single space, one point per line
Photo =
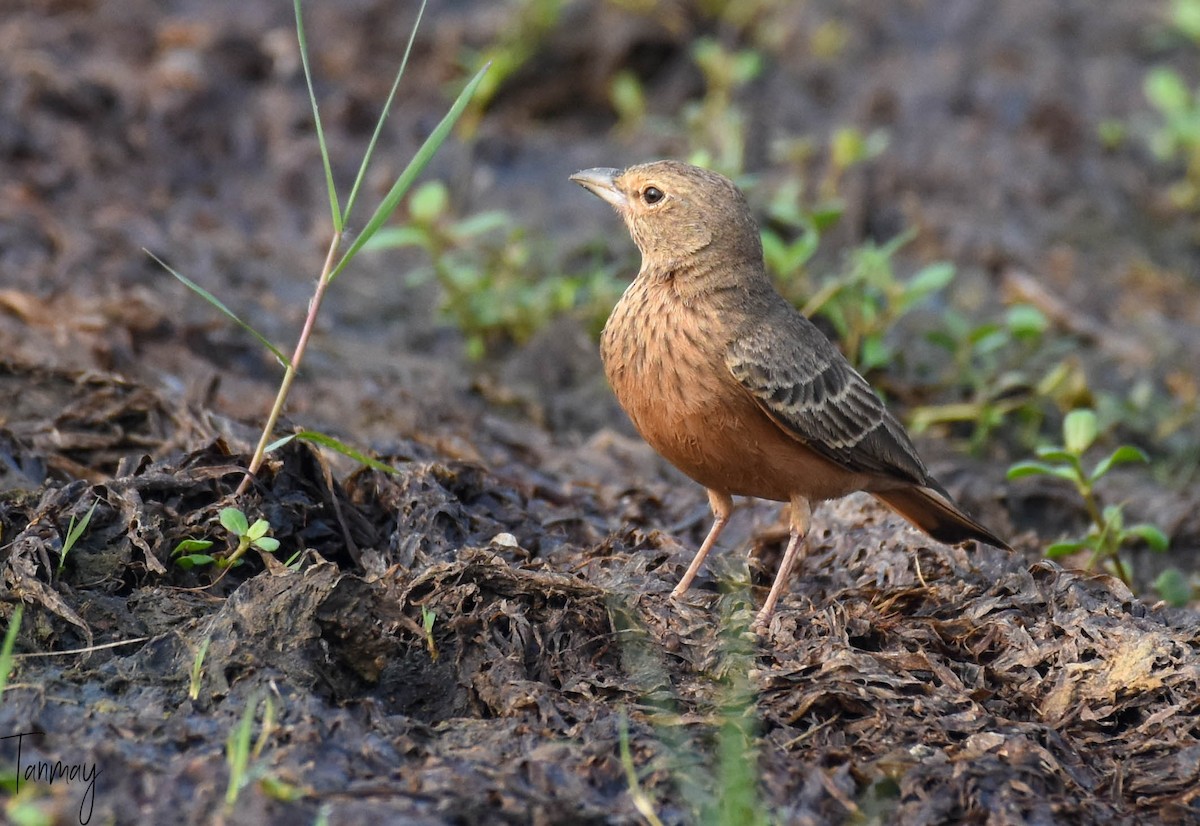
x=652 y=195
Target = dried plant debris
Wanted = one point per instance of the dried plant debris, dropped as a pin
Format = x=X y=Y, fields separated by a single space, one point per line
x=492 y=634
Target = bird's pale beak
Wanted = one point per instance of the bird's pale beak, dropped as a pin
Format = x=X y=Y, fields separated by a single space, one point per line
x=603 y=183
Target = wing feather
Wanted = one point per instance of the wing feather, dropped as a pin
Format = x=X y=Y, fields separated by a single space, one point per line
x=808 y=388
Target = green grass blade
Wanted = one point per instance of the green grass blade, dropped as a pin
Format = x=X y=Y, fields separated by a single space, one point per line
x=415 y=167
x=321 y=439
x=334 y=208
x=6 y=651
x=387 y=107
x=278 y=443
x=76 y=530
x=220 y=305
x=237 y=751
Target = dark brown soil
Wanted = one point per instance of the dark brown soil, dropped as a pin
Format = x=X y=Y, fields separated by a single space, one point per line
x=903 y=681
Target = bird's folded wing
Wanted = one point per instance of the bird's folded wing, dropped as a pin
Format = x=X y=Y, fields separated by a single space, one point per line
x=806 y=386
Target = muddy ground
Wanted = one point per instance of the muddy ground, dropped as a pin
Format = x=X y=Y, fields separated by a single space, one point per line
x=902 y=681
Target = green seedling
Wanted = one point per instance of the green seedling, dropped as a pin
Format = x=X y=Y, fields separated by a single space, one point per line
x=337 y=257
x=1108 y=533
x=428 y=618
x=641 y=801
x=713 y=766
x=867 y=300
x=1174 y=586
x=6 y=649
x=248 y=536
x=74 y=532
x=628 y=100
x=190 y=552
x=197 y=673
x=849 y=147
x=1184 y=17
x=527 y=23
x=791 y=235
x=497 y=286
x=238 y=751
x=1176 y=136
x=716 y=125
x=1001 y=373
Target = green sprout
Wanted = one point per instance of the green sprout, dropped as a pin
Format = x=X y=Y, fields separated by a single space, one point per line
x=338 y=258
x=190 y=552
x=6 y=649
x=1108 y=533
x=866 y=301
x=1001 y=371
x=74 y=532
x=1177 y=135
x=641 y=800
x=716 y=124
x=428 y=617
x=197 y=673
x=238 y=750
x=483 y=265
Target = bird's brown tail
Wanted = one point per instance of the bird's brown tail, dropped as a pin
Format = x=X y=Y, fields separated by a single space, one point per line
x=933 y=512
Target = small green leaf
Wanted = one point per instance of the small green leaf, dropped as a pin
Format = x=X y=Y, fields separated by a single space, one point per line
x=873 y=353
x=1173 y=587
x=1026 y=321
x=191 y=545
x=258 y=530
x=826 y=214
x=1122 y=455
x=1079 y=430
x=929 y=280
x=1185 y=16
x=1166 y=90
x=943 y=339
x=1054 y=454
x=428 y=202
x=627 y=96
x=321 y=439
x=194 y=560
x=395 y=237
x=1152 y=535
x=481 y=223
x=234 y=521
x=267 y=543
x=278 y=443
x=981 y=331
x=1060 y=549
x=988 y=338
x=1022 y=469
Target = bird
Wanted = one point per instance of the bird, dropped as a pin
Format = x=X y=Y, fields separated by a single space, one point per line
x=724 y=378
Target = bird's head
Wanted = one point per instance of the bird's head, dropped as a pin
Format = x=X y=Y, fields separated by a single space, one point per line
x=679 y=214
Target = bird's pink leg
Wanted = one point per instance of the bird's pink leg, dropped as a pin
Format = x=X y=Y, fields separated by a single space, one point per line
x=722 y=506
x=801 y=517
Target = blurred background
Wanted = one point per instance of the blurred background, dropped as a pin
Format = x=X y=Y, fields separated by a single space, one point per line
x=992 y=206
